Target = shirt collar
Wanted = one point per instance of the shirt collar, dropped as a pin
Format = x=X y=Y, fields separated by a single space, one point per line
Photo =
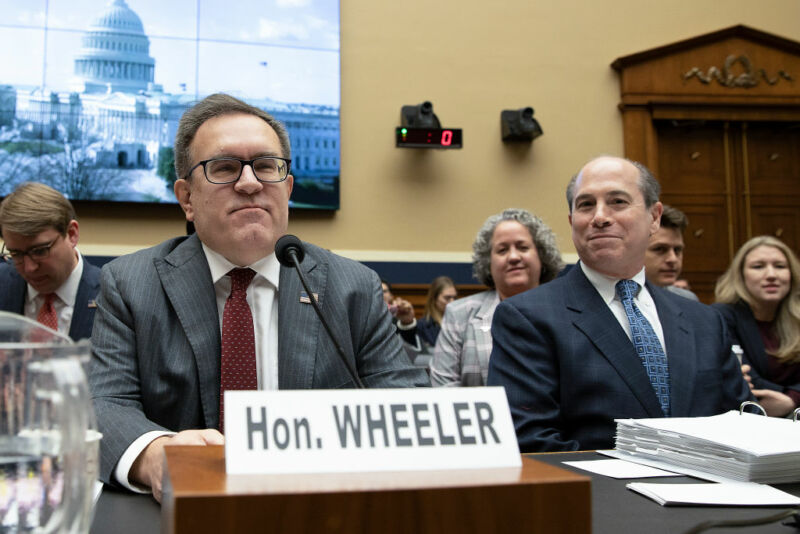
x=607 y=285
x=267 y=267
x=69 y=289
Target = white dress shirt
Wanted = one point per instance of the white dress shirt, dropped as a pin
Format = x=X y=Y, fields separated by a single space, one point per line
x=606 y=286
x=262 y=299
x=261 y=295
x=64 y=304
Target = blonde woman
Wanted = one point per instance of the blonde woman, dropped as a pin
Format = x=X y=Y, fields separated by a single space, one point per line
x=441 y=293
x=759 y=296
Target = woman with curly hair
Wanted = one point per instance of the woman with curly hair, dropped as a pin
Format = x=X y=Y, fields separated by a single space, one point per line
x=514 y=251
x=759 y=296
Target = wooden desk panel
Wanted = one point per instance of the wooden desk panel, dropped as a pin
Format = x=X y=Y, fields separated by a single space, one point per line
x=199 y=497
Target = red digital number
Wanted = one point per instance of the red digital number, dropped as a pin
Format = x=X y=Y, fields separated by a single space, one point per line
x=447 y=137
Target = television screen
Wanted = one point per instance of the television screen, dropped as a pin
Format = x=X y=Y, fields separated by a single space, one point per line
x=91 y=91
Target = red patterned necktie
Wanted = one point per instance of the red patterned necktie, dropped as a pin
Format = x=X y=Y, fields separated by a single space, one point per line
x=47 y=313
x=238 y=364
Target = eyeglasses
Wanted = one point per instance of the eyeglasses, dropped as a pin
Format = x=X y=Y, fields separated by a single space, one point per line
x=267 y=169
x=37 y=253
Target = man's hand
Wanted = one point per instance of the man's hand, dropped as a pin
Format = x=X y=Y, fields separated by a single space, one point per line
x=776 y=404
x=405 y=311
x=148 y=469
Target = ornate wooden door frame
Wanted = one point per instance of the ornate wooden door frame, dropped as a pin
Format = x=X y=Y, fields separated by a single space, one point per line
x=737 y=73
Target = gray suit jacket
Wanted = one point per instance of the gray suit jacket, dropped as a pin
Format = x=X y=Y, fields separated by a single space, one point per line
x=14 y=287
x=461 y=354
x=685 y=293
x=156 y=342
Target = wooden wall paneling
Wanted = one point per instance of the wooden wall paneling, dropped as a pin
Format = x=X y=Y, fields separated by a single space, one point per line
x=774 y=157
x=692 y=155
x=640 y=136
x=723 y=110
x=773 y=173
x=782 y=222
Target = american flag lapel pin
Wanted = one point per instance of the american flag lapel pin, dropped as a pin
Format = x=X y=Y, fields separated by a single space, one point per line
x=92 y=304
x=304 y=297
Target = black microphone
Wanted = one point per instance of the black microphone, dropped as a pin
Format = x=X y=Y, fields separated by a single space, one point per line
x=290 y=253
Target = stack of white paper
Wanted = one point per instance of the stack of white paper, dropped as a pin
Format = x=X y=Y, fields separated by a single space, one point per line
x=736 y=446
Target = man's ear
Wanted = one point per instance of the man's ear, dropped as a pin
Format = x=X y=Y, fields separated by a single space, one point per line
x=72 y=233
x=290 y=184
x=655 y=211
x=183 y=192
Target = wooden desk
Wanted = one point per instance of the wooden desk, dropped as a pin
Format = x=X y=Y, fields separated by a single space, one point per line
x=200 y=498
x=615 y=509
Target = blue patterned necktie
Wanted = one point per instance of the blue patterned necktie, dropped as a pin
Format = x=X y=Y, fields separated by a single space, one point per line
x=646 y=343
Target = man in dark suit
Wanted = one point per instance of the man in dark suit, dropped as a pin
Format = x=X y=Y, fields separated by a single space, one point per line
x=570 y=353
x=663 y=260
x=44 y=277
x=181 y=322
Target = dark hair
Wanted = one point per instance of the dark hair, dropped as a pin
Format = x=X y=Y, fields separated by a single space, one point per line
x=648 y=184
x=674 y=219
x=214 y=106
x=541 y=234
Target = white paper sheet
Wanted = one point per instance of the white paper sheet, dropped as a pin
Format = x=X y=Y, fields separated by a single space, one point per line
x=657 y=464
x=724 y=494
x=620 y=469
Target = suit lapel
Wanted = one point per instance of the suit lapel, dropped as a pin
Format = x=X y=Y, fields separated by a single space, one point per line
x=595 y=320
x=186 y=280
x=298 y=326
x=82 y=315
x=750 y=338
x=680 y=349
x=482 y=327
x=12 y=298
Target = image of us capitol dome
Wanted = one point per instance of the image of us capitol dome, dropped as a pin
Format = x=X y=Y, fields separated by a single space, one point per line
x=109 y=135
x=115 y=56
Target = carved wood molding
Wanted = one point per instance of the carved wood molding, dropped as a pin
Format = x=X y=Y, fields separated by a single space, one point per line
x=725 y=76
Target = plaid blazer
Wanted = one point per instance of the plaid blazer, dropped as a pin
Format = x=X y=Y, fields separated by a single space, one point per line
x=461 y=355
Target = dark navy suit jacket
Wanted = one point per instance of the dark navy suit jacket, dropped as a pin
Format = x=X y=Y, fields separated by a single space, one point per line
x=13 y=288
x=569 y=369
x=744 y=332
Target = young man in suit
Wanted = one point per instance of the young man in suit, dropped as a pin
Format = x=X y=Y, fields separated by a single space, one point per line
x=44 y=277
x=183 y=321
x=663 y=260
x=600 y=342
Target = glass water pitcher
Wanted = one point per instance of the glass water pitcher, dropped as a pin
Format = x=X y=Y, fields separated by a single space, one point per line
x=48 y=438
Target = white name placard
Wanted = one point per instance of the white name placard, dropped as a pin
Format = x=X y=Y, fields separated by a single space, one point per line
x=324 y=431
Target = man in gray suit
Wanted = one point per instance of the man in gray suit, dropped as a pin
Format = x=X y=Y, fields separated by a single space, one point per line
x=161 y=357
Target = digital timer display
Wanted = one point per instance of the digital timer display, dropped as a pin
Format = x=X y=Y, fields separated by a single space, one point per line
x=428 y=137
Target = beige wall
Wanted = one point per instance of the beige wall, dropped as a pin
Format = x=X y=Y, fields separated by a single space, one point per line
x=471 y=59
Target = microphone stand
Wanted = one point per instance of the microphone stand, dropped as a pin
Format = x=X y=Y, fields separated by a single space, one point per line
x=353 y=373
